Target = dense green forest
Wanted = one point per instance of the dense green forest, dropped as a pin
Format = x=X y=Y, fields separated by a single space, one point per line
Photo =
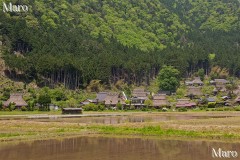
x=75 y=41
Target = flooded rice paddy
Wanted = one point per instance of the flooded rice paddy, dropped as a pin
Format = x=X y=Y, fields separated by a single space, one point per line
x=104 y=148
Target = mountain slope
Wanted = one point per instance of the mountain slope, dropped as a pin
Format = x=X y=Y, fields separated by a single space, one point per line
x=75 y=41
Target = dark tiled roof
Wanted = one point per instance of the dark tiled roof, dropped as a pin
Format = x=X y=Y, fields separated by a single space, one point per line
x=211 y=99
x=101 y=96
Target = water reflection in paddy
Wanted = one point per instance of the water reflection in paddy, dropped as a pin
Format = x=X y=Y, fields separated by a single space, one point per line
x=102 y=148
x=124 y=119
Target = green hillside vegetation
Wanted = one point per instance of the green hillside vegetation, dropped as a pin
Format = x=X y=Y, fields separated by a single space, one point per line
x=73 y=41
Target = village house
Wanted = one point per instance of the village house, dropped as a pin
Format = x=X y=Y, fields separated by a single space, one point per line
x=139 y=96
x=194 y=92
x=220 y=85
x=112 y=99
x=185 y=103
x=17 y=99
x=108 y=99
x=195 y=82
x=100 y=97
x=220 y=81
x=160 y=101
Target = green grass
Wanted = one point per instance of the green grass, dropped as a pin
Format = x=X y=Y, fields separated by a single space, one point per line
x=158 y=131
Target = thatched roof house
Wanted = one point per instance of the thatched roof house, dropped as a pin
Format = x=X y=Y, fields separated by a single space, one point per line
x=113 y=99
x=221 y=87
x=17 y=99
x=221 y=81
x=194 y=91
x=195 y=82
x=109 y=98
x=185 y=103
x=160 y=100
x=140 y=93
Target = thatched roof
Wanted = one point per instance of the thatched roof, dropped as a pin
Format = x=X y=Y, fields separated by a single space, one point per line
x=109 y=98
x=159 y=96
x=197 y=80
x=160 y=100
x=140 y=93
x=17 y=99
x=112 y=99
x=185 y=103
x=221 y=87
x=196 y=91
x=222 y=81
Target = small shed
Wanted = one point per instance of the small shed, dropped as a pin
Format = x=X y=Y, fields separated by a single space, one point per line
x=72 y=111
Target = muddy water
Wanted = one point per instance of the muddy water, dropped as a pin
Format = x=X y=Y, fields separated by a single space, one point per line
x=102 y=148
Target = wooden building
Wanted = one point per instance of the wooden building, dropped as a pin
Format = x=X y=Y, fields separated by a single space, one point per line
x=139 y=96
x=185 y=103
x=160 y=101
x=195 y=82
x=194 y=92
x=17 y=99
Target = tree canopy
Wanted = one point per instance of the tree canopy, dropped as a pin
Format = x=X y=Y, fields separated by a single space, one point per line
x=168 y=78
x=73 y=42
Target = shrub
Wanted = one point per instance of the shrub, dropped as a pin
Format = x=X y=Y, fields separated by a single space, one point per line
x=93 y=107
x=237 y=109
x=182 y=110
x=119 y=106
x=6 y=109
x=132 y=107
x=23 y=108
x=220 y=109
x=101 y=107
x=211 y=104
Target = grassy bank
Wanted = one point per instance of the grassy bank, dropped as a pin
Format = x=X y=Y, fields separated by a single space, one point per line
x=214 y=128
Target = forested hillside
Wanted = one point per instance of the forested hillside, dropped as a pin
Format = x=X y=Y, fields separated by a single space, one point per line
x=76 y=41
